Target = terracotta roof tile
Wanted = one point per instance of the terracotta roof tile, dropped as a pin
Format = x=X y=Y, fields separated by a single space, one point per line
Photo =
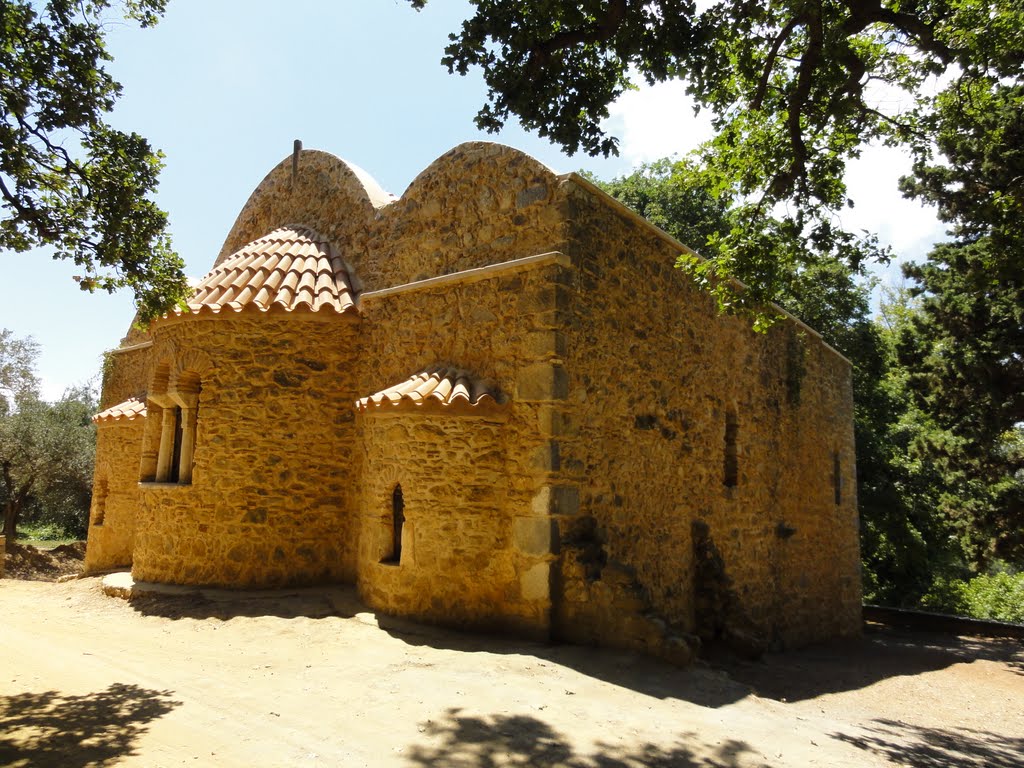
x=291 y=267
x=129 y=409
x=440 y=385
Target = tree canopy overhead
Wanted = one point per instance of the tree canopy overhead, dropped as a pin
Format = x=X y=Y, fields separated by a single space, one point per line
x=792 y=78
x=68 y=180
x=796 y=87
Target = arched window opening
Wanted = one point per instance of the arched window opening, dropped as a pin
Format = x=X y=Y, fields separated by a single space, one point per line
x=397 y=522
x=731 y=468
x=179 y=415
x=156 y=402
x=175 y=470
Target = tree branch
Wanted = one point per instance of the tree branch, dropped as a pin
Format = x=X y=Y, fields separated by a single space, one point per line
x=769 y=65
x=57 y=150
x=540 y=53
x=27 y=213
x=905 y=128
x=799 y=98
x=864 y=13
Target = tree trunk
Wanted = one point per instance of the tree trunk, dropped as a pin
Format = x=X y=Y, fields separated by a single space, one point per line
x=12 y=511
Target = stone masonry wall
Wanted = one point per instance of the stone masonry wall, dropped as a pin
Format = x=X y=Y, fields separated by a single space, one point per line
x=125 y=374
x=478 y=204
x=273 y=491
x=458 y=561
x=118 y=444
x=326 y=194
x=489 y=480
x=654 y=377
x=115 y=497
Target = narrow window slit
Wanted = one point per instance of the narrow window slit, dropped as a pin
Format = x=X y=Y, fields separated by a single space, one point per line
x=397 y=522
x=837 y=478
x=731 y=469
x=175 y=468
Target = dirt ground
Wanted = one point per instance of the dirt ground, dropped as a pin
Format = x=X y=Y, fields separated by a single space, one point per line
x=312 y=678
x=35 y=564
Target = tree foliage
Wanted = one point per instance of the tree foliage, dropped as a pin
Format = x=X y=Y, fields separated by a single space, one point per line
x=16 y=360
x=68 y=180
x=47 y=450
x=965 y=348
x=906 y=540
x=795 y=87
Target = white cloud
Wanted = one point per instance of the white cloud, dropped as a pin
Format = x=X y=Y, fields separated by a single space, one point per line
x=909 y=227
x=657 y=121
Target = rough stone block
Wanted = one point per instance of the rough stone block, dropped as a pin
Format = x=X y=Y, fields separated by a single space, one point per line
x=531 y=195
x=561 y=500
x=547 y=457
x=542 y=382
x=536 y=535
x=565 y=500
x=535 y=583
x=676 y=650
x=541 y=504
x=546 y=343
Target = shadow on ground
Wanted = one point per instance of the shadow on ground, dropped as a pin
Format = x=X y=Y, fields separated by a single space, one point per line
x=844 y=664
x=854 y=663
x=937 y=748
x=484 y=742
x=831 y=667
x=224 y=605
x=89 y=731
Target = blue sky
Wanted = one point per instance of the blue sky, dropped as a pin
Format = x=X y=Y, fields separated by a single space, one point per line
x=223 y=87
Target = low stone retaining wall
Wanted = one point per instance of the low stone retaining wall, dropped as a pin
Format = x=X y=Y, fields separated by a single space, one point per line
x=940 y=622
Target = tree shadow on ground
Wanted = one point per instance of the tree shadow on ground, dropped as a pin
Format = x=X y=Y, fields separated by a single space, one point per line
x=839 y=665
x=854 y=663
x=922 y=747
x=520 y=740
x=89 y=731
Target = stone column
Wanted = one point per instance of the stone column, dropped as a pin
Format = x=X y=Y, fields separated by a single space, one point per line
x=189 y=416
x=166 y=455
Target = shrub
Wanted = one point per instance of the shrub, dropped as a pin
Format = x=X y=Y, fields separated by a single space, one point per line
x=999 y=597
x=946 y=595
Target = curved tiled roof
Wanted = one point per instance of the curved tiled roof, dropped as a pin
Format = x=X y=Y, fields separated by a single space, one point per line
x=440 y=385
x=290 y=268
x=129 y=409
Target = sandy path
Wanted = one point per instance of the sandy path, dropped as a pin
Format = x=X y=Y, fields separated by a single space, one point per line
x=311 y=680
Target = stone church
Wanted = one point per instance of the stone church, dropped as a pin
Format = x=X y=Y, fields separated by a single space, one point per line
x=490 y=403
